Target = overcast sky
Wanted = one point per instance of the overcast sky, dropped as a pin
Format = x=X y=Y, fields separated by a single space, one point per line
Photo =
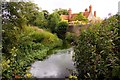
x=102 y=7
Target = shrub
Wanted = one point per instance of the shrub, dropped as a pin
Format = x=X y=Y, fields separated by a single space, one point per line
x=32 y=44
x=96 y=55
x=61 y=29
x=71 y=37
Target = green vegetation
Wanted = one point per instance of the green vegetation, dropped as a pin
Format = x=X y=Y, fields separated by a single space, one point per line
x=23 y=42
x=53 y=20
x=61 y=11
x=71 y=38
x=30 y=34
x=40 y=21
x=61 y=29
x=33 y=44
x=97 y=50
x=80 y=17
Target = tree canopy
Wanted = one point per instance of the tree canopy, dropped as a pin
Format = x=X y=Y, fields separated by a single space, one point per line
x=15 y=15
x=80 y=17
x=53 y=21
x=61 y=29
x=61 y=11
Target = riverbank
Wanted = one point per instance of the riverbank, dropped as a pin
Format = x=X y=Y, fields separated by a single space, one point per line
x=32 y=45
x=55 y=66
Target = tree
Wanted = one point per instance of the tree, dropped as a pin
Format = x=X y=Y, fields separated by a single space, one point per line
x=30 y=11
x=21 y=39
x=80 y=17
x=40 y=21
x=53 y=20
x=61 y=11
x=46 y=13
x=61 y=29
x=12 y=24
x=21 y=11
x=15 y=15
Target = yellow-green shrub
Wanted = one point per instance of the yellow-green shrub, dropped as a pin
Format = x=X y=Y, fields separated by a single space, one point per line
x=32 y=43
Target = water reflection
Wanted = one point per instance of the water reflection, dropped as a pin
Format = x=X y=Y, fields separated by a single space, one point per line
x=56 y=66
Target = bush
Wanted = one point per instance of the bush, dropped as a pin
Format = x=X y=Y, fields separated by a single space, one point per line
x=71 y=37
x=96 y=55
x=46 y=38
x=32 y=44
x=61 y=29
x=53 y=20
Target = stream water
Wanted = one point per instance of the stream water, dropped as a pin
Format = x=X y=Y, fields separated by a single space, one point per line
x=55 y=66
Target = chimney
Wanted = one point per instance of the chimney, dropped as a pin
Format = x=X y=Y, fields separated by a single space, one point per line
x=95 y=13
x=69 y=14
x=86 y=10
x=90 y=8
x=85 y=13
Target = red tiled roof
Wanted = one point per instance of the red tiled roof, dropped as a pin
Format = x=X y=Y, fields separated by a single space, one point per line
x=73 y=15
x=86 y=13
x=64 y=17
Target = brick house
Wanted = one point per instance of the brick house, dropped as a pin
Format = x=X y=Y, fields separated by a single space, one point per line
x=87 y=13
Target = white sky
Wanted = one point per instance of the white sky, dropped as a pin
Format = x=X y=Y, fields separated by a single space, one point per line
x=102 y=7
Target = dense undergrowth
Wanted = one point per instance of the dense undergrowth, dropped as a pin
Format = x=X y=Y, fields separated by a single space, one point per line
x=97 y=53
x=27 y=35
x=33 y=44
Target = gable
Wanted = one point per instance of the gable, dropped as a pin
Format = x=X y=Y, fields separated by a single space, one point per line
x=91 y=16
